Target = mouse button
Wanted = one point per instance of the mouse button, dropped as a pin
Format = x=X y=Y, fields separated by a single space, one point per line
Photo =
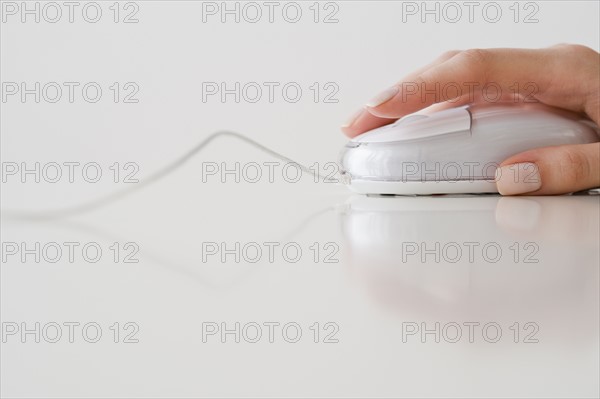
x=452 y=121
x=410 y=118
x=374 y=135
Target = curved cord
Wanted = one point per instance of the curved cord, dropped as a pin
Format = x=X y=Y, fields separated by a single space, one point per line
x=102 y=201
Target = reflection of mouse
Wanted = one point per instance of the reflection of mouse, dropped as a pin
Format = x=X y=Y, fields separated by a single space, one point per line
x=511 y=257
x=456 y=150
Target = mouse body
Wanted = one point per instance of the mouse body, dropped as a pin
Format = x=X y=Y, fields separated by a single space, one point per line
x=455 y=150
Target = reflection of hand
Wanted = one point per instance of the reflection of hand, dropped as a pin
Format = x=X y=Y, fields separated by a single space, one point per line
x=565 y=76
x=561 y=221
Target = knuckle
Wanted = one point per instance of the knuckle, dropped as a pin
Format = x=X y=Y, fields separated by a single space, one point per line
x=476 y=56
x=476 y=62
x=574 y=165
x=448 y=54
x=422 y=79
x=576 y=50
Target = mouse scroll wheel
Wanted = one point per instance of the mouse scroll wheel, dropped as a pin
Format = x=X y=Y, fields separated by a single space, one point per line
x=410 y=118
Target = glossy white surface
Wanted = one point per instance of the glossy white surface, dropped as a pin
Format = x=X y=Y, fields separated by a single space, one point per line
x=369 y=293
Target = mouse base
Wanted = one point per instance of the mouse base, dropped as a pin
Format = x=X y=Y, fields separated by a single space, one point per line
x=423 y=187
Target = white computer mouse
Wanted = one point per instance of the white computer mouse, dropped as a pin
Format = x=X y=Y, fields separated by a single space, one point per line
x=455 y=150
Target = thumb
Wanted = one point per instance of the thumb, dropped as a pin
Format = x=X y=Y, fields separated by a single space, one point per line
x=550 y=170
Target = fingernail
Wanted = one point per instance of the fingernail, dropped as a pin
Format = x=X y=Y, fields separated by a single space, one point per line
x=383 y=97
x=353 y=118
x=519 y=178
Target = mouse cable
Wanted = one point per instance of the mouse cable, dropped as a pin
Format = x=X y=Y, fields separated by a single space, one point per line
x=170 y=168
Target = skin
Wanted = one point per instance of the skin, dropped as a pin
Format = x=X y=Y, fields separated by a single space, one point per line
x=565 y=76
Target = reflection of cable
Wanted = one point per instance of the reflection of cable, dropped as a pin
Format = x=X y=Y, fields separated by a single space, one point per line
x=94 y=204
x=166 y=261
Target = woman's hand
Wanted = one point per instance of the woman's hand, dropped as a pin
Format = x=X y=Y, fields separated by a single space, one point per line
x=564 y=76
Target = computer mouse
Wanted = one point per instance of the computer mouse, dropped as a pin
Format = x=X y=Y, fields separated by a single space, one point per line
x=456 y=150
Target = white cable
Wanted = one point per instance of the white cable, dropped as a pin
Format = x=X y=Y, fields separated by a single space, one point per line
x=94 y=204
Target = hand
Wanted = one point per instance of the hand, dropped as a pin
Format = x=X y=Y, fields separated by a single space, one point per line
x=564 y=76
